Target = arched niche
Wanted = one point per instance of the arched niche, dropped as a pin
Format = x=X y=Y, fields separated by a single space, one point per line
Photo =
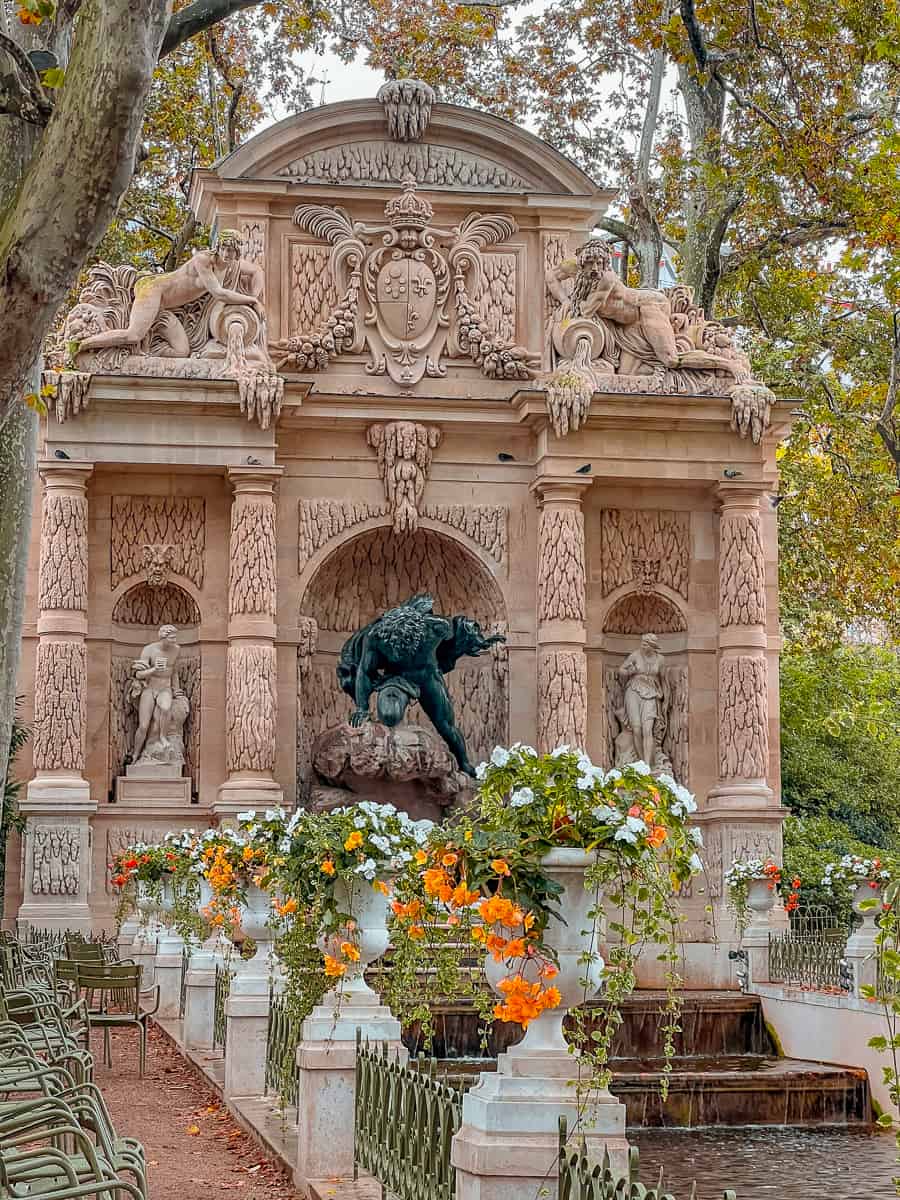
x=644 y=612
x=167 y=604
x=137 y=616
x=374 y=571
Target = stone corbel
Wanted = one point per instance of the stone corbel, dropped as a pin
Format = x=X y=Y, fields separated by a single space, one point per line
x=405 y=450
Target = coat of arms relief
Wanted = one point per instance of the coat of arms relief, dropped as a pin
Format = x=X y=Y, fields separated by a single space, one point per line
x=411 y=300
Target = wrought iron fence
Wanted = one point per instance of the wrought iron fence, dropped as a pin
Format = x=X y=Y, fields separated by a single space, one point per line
x=182 y=995
x=811 y=954
x=405 y=1122
x=281 y=1050
x=220 y=995
x=581 y=1179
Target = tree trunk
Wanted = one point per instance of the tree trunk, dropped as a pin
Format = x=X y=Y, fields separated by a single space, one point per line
x=18 y=448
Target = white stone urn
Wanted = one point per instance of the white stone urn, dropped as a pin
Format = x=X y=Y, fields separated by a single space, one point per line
x=368 y=907
x=148 y=906
x=167 y=901
x=577 y=981
x=170 y=940
x=252 y=973
x=863 y=893
x=761 y=897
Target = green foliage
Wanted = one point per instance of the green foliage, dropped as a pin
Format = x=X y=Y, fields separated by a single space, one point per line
x=840 y=739
x=810 y=843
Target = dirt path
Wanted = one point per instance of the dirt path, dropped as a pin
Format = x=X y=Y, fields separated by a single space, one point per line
x=195 y=1151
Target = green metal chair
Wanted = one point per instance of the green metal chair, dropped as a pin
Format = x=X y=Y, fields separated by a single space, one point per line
x=119 y=991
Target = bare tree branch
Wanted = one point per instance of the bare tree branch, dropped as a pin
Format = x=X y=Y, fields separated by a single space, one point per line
x=21 y=93
x=235 y=87
x=886 y=425
x=197 y=18
x=803 y=233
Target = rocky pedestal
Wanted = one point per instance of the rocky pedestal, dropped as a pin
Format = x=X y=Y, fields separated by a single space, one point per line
x=407 y=765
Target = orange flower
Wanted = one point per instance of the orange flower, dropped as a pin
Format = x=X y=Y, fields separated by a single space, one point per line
x=524 y=1000
x=350 y=951
x=462 y=897
x=437 y=884
x=421 y=858
x=548 y=971
x=450 y=860
x=354 y=841
x=478 y=934
x=657 y=835
x=248 y=854
x=499 y=910
x=28 y=18
x=416 y=932
x=327 y=867
x=496 y=945
x=288 y=907
x=515 y=948
x=408 y=911
x=500 y=866
x=380 y=886
x=333 y=968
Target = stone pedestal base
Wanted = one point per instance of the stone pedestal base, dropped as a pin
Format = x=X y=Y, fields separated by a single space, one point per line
x=239 y=795
x=507 y=1146
x=58 y=809
x=142 y=791
x=199 y=1000
x=246 y=1035
x=326 y=1057
x=144 y=950
x=167 y=973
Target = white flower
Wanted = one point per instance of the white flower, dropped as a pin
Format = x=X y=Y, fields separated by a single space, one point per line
x=613 y=775
x=560 y=751
x=422 y=830
x=610 y=816
x=696 y=864
x=274 y=814
x=499 y=756
x=367 y=869
x=640 y=767
x=481 y=770
x=380 y=843
x=696 y=834
x=250 y=815
x=635 y=824
x=684 y=801
x=521 y=797
x=624 y=834
x=526 y=751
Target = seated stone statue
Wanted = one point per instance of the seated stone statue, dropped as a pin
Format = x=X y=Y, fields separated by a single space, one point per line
x=411 y=643
x=215 y=272
x=162 y=706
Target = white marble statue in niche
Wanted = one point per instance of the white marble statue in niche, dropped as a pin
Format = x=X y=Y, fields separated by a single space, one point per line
x=162 y=705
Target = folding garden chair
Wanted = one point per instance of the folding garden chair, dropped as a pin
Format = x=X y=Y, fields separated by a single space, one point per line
x=119 y=991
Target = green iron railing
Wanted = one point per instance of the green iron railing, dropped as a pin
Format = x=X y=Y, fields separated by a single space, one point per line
x=281 y=1051
x=581 y=1179
x=809 y=960
x=182 y=995
x=223 y=987
x=405 y=1122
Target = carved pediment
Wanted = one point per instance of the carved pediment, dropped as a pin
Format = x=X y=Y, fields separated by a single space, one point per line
x=378 y=161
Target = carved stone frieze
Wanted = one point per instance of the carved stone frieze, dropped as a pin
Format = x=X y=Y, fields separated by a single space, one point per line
x=562 y=699
x=497 y=303
x=252 y=579
x=405 y=450
x=376 y=571
x=486 y=524
x=253 y=241
x=56 y=860
x=250 y=708
x=743 y=717
x=142 y=521
x=377 y=161
x=637 y=543
x=712 y=861
x=554 y=250
x=63 y=565
x=636 y=613
x=313 y=293
x=742 y=570
x=60 y=705
x=561 y=582
x=421 y=287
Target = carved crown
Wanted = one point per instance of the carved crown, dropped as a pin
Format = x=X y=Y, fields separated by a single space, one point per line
x=408 y=210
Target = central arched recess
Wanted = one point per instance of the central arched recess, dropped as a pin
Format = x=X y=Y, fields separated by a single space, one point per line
x=378 y=570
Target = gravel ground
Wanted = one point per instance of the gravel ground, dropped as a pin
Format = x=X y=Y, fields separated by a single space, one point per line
x=195 y=1150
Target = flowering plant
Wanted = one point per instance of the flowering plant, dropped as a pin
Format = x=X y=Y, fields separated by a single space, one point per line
x=742 y=873
x=320 y=864
x=141 y=863
x=853 y=870
x=485 y=877
x=229 y=861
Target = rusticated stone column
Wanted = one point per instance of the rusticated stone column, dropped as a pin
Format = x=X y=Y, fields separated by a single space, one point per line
x=58 y=799
x=562 y=664
x=742 y=804
x=251 y=705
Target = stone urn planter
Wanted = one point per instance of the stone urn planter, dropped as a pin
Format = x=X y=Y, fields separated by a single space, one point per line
x=369 y=909
x=864 y=893
x=255 y=912
x=170 y=940
x=577 y=981
x=761 y=897
x=149 y=907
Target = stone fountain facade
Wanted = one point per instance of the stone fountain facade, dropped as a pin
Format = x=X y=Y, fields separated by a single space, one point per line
x=394 y=374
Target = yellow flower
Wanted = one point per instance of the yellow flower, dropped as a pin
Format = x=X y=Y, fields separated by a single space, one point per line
x=500 y=866
x=350 y=951
x=327 y=867
x=468 y=835
x=248 y=854
x=354 y=841
x=421 y=858
x=380 y=886
x=333 y=968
